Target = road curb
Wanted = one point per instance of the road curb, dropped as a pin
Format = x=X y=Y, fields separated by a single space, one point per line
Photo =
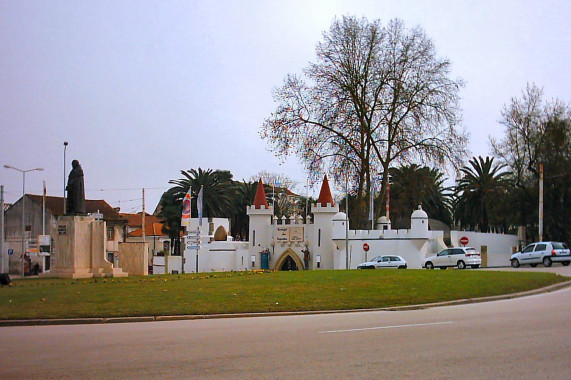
x=164 y=318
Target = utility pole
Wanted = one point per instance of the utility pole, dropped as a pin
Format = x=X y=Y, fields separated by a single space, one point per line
x=44 y=211
x=540 y=202
x=143 y=217
x=2 y=229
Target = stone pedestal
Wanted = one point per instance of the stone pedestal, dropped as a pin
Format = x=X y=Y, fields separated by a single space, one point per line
x=80 y=249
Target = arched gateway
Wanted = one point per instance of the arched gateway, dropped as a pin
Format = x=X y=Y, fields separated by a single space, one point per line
x=289 y=260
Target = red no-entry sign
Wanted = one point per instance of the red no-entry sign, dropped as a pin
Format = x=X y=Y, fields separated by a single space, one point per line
x=464 y=240
x=366 y=247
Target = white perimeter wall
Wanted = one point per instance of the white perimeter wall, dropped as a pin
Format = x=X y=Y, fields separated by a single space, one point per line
x=500 y=246
x=219 y=256
x=394 y=243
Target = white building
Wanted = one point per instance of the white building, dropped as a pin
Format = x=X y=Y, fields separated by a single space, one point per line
x=325 y=242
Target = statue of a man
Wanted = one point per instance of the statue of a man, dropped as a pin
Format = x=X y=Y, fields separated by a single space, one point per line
x=75 y=203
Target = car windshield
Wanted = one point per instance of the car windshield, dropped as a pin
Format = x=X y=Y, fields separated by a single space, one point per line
x=378 y=258
x=559 y=245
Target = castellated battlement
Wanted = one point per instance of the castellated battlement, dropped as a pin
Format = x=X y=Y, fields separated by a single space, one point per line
x=329 y=207
x=260 y=210
x=339 y=233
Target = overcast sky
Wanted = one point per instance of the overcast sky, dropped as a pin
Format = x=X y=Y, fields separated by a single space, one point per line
x=144 y=89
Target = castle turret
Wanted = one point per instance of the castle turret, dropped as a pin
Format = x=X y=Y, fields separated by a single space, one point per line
x=260 y=223
x=419 y=223
x=383 y=223
x=322 y=238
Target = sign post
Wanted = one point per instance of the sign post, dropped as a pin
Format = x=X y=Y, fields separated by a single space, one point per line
x=193 y=242
x=366 y=249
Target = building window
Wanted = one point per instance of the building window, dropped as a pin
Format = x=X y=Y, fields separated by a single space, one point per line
x=319 y=237
x=110 y=233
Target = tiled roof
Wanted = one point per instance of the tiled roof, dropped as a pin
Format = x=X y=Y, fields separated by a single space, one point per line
x=55 y=206
x=260 y=198
x=325 y=194
x=151 y=229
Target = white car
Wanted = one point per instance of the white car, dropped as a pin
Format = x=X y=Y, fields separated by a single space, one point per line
x=454 y=257
x=386 y=261
x=544 y=252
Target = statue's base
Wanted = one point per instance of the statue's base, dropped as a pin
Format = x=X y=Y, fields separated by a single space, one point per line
x=80 y=249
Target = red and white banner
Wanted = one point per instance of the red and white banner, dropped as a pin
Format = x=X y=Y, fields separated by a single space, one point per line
x=185 y=217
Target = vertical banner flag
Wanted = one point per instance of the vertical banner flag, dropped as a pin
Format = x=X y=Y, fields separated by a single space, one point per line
x=199 y=205
x=185 y=218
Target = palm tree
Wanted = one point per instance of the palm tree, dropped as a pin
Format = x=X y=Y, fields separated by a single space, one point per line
x=219 y=191
x=218 y=197
x=170 y=212
x=245 y=193
x=414 y=185
x=482 y=188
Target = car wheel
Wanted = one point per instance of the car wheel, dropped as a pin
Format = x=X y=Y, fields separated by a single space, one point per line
x=547 y=261
x=565 y=263
x=429 y=265
x=515 y=263
x=475 y=266
x=461 y=265
x=533 y=265
x=402 y=267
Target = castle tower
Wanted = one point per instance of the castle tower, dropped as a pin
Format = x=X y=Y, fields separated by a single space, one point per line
x=419 y=223
x=322 y=235
x=260 y=224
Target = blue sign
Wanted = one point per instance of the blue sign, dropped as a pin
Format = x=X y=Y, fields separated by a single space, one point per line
x=10 y=251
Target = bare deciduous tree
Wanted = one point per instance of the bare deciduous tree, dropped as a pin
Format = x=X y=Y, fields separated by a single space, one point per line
x=376 y=95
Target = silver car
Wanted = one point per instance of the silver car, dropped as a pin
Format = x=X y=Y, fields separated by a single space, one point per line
x=386 y=261
x=544 y=252
x=454 y=257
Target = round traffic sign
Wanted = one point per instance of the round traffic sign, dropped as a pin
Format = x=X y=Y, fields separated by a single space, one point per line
x=366 y=247
x=464 y=240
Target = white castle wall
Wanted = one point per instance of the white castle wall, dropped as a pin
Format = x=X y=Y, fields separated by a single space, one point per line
x=404 y=243
x=325 y=238
x=500 y=246
x=218 y=256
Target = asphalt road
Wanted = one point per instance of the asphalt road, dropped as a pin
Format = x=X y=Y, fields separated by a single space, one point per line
x=522 y=338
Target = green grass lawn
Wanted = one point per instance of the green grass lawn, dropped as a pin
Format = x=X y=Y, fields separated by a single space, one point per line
x=237 y=292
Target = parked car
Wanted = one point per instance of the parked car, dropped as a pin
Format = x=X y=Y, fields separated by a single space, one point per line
x=386 y=261
x=453 y=257
x=544 y=252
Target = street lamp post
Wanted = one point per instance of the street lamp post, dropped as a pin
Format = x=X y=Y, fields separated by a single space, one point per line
x=23 y=208
x=64 y=200
x=347 y=220
x=346 y=165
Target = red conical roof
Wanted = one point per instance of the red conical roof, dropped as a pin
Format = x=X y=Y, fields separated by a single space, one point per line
x=260 y=198
x=325 y=194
